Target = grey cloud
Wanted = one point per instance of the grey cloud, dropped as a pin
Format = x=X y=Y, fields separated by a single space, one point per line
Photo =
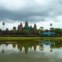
x=39 y=12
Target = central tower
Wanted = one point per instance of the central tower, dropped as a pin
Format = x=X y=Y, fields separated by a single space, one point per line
x=26 y=23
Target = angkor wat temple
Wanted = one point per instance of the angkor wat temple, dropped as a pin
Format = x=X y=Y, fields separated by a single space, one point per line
x=21 y=31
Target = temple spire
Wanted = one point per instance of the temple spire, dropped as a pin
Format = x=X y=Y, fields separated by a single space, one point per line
x=26 y=23
x=35 y=26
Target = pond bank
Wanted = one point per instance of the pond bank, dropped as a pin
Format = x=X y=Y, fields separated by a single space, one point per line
x=29 y=38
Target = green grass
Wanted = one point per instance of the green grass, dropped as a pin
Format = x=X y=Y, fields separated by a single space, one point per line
x=19 y=38
x=29 y=38
x=52 y=38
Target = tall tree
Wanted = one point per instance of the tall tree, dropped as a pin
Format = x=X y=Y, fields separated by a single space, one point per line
x=3 y=23
x=51 y=26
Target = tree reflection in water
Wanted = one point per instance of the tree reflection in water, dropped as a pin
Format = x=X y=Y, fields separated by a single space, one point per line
x=30 y=51
x=32 y=45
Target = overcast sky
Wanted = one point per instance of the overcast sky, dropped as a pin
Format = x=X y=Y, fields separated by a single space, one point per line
x=41 y=12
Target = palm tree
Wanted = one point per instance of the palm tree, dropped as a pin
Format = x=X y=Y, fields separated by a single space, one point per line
x=3 y=23
x=50 y=26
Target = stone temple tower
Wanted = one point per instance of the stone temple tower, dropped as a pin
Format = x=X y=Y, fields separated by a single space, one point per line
x=26 y=23
x=35 y=26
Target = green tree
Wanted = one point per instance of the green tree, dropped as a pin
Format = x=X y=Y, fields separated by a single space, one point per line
x=3 y=23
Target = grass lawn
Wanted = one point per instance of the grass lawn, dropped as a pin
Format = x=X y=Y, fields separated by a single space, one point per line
x=29 y=38
x=19 y=38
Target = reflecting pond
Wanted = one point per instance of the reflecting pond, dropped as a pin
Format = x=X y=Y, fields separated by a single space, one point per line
x=31 y=51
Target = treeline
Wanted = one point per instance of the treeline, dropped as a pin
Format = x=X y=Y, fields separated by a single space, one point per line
x=58 y=32
x=17 y=33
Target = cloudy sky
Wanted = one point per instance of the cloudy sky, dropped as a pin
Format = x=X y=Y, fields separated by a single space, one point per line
x=41 y=12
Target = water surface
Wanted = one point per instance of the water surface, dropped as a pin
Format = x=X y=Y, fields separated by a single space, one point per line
x=31 y=51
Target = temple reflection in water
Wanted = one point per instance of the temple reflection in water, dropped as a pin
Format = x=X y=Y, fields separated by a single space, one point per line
x=28 y=46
